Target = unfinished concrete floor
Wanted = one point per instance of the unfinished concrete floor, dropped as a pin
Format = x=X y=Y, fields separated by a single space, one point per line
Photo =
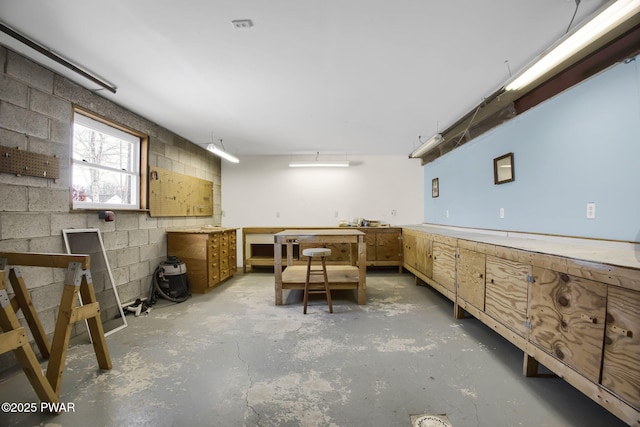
x=233 y=358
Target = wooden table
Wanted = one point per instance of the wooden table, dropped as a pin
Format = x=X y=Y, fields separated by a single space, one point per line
x=340 y=276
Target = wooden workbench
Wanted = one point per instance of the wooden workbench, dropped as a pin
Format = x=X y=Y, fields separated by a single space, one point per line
x=340 y=276
x=570 y=304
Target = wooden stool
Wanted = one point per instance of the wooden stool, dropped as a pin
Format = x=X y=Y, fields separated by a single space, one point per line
x=322 y=253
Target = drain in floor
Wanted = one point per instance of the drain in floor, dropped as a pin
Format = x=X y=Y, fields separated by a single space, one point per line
x=428 y=420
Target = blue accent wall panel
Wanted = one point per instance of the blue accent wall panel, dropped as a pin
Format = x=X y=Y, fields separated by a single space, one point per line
x=581 y=146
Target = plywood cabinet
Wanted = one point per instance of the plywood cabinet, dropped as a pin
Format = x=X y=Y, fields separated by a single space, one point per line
x=209 y=254
x=567 y=319
x=621 y=365
x=471 y=277
x=579 y=317
x=507 y=293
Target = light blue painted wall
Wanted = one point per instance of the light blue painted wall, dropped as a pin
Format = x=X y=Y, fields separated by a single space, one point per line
x=581 y=146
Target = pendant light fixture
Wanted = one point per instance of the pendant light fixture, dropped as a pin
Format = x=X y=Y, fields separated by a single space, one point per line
x=220 y=152
x=318 y=164
x=426 y=146
x=611 y=17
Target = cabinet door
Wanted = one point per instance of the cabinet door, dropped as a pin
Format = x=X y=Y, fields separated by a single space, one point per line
x=621 y=365
x=370 y=240
x=387 y=246
x=410 y=249
x=471 y=283
x=444 y=265
x=192 y=250
x=507 y=293
x=424 y=258
x=567 y=318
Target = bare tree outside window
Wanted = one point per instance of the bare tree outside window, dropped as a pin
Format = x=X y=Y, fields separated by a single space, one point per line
x=105 y=166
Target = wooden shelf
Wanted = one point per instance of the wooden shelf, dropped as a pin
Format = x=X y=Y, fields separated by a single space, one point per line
x=340 y=277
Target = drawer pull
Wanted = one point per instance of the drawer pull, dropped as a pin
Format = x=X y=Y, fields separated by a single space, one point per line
x=589 y=319
x=621 y=331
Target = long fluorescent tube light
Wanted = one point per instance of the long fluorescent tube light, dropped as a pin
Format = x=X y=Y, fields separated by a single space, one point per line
x=608 y=19
x=427 y=146
x=218 y=152
x=318 y=164
x=55 y=57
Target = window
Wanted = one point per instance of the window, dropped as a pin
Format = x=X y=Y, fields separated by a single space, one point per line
x=107 y=165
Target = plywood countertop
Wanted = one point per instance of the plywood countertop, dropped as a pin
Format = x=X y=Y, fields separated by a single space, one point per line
x=621 y=254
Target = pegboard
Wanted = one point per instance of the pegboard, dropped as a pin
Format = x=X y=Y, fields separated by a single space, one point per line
x=20 y=162
x=174 y=194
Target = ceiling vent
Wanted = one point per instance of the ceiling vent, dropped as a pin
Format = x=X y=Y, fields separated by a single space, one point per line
x=242 y=23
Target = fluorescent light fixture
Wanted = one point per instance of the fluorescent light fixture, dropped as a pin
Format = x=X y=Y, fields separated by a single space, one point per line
x=219 y=152
x=427 y=146
x=318 y=164
x=608 y=19
x=56 y=58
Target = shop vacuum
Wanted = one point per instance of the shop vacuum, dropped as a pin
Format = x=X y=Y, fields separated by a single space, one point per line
x=170 y=281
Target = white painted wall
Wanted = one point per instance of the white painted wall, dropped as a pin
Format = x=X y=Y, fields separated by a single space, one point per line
x=265 y=191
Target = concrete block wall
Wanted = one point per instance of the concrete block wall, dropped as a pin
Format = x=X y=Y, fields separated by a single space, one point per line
x=36 y=111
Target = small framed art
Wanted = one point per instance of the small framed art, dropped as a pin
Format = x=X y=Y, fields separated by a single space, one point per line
x=435 y=187
x=503 y=170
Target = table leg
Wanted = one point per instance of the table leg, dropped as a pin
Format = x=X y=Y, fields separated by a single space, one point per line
x=362 y=270
x=277 y=269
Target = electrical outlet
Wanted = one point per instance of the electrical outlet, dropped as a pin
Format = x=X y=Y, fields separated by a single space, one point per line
x=447 y=213
x=501 y=212
x=591 y=210
x=278 y=214
x=335 y=214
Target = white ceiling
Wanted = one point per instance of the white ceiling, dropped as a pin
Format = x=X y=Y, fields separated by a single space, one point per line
x=329 y=76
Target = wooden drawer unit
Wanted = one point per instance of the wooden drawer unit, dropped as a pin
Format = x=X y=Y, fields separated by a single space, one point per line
x=507 y=293
x=567 y=318
x=209 y=253
x=621 y=365
x=214 y=260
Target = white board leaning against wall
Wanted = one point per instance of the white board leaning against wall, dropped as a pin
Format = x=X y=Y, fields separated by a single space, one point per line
x=89 y=241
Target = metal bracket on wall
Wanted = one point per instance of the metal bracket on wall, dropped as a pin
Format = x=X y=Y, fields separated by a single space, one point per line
x=20 y=162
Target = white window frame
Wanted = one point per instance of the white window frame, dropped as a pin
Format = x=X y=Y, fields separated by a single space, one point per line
x=137 y=166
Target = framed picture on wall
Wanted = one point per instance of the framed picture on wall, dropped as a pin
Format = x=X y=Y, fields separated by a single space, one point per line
x=435 y=187
x=503 y=170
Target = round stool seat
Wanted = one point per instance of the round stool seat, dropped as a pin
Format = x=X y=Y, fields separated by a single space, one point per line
x=314 y=252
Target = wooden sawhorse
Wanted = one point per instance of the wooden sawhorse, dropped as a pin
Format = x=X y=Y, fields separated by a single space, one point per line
x=77 y=280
